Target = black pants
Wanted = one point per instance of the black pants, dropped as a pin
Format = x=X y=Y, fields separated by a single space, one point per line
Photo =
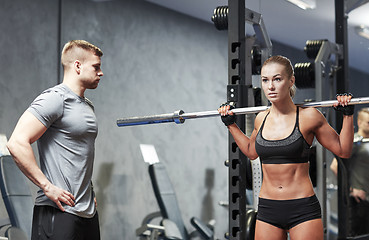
x=358 y=217
x=50 y=223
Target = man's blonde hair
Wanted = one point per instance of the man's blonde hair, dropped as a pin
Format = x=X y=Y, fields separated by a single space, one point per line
x=71 y=48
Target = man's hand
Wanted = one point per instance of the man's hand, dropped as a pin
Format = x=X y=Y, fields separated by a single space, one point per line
x=59 y=196
x=358 y=194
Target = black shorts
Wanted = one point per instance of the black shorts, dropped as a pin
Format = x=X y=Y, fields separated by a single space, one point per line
x=286 y=214
x=52 y=224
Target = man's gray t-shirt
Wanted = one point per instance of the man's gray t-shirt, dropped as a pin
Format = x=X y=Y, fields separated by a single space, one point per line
x=67 y=147
x=359 y=164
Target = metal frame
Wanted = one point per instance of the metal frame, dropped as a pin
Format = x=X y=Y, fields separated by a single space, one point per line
x=342 y=8
x=326 y=50
x=237 y=92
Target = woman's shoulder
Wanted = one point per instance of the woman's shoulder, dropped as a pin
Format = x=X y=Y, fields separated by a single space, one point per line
x=261 y=115
x=312 y=115
x=309 y=110
x=260 y=118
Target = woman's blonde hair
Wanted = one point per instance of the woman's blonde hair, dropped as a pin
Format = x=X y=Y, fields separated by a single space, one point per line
x=287 y=66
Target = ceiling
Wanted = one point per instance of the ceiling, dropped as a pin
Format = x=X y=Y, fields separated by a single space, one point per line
x=288 y=24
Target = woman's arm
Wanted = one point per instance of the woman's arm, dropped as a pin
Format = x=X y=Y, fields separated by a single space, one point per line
x=246 y=144
x=339 y=144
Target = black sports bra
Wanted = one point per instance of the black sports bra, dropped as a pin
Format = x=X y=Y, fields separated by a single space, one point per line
x=292 y=149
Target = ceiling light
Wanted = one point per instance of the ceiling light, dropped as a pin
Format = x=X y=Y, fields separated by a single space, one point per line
x=304 y=4
x=362 y=31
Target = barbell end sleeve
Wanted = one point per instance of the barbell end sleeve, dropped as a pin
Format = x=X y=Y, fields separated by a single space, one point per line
x=134 y=121
x=161 y=118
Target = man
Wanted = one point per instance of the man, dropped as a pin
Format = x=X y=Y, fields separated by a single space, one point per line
x=63 y=122
x=358 y=166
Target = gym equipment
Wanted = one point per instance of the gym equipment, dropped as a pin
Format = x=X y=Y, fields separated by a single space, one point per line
x=245 y=56
x=311 y=74
x=17 y=198
x=173 y=226
x=220 y=17
x=180 y=117
x=321 y=74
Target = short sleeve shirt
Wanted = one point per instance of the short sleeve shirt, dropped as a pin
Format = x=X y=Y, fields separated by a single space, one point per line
x=66 y=149
x=359 y=163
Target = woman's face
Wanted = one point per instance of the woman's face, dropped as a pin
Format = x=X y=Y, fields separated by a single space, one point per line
x=275 y=82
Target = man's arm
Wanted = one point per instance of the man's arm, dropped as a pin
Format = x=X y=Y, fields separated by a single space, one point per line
x=26 y=132
x=358 y=194
x=334 y=166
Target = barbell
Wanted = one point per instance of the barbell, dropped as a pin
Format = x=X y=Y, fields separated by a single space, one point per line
x=180 y=116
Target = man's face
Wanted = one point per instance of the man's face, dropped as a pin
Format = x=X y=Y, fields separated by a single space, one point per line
x=91 y=71
x=363 y=122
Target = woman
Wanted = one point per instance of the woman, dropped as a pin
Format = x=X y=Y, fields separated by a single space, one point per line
x=282 y=137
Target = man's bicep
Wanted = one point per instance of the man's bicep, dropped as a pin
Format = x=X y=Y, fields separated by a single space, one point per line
x=28 y=128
